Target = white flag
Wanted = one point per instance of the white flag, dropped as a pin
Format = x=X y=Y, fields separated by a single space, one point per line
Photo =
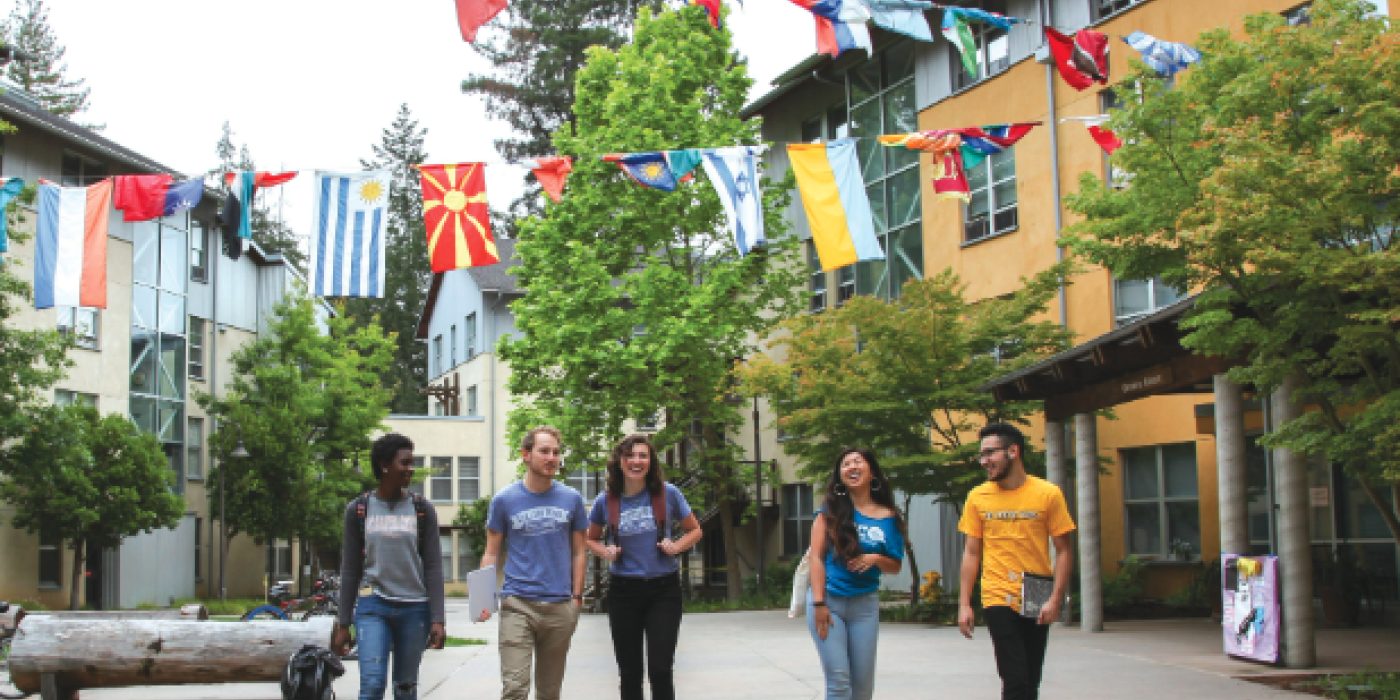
x=348 y=232
x=734 y=173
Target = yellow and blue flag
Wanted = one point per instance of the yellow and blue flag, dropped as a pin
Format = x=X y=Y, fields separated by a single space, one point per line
x=838 y=208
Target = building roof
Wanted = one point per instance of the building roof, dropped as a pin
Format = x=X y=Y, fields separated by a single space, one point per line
x=490 y=278
x=785 y=83
x=18 y=106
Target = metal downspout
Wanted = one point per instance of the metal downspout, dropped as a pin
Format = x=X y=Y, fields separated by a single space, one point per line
x=1047 y=19
x=491 y=369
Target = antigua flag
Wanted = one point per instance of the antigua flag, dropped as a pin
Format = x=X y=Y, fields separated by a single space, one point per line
x=183 y=196
x=650 y=169
x=734 y=173
x=347 y=234
x=70 y=251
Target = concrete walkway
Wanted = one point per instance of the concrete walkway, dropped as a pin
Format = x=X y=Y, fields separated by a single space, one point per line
x=732 y=656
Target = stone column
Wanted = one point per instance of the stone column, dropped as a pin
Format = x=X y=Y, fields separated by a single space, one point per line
x=1231 y=467
x=1057 y=472
x=1090 y=540
x=1294 y=537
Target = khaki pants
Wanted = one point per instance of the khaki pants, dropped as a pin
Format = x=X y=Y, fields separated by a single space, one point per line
x=539 y=629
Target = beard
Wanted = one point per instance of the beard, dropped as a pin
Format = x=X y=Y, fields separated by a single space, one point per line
x=999 y=473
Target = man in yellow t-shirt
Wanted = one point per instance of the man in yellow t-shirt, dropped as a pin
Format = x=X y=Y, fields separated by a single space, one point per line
x=1009 y=522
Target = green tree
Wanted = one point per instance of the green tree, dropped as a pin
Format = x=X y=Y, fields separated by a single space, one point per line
x=471 y=517
x=43 y=73
x=538 y=50
x=408 y=271
x=303 y=402
x=1266 y=178
x=89 y=479
x=903 y=378
x=271 y=234
x=31 y=361
x=638 y=303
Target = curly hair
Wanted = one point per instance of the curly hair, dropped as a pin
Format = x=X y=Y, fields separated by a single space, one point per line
x=840 y=511
x=385 y=449
x=656 y=479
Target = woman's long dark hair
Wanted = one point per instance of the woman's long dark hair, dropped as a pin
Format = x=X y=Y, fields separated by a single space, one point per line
x=656 y=479
x=840 y=511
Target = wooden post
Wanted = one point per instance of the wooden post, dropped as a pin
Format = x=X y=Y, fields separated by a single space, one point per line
x=84 y=653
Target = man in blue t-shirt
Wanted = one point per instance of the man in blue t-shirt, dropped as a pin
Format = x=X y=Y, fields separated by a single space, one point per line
x=541 y=522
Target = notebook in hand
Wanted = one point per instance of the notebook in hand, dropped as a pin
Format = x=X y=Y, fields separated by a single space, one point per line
x=1035 y=593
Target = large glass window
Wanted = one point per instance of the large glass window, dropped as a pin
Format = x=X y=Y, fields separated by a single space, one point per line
x=881 y=96
x=199 y=253
x=468 y=479
x=159 y=331
x=816 y=279
x=1162 y=500
x=797 y=518
x=1133 y=299
x=469 y=327
x=78 y=171
x=196 y=337
x=194 y=449
x=992 y=206
x=993 y=54
x=50 y=562
x=81 y=323
x=64 y=397
x=1104 y=8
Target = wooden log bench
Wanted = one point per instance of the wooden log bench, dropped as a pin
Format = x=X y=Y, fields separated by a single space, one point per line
x=191 y=612
x=57 y=656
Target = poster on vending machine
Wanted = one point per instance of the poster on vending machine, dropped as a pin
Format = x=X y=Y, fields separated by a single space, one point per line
x=1250 y=614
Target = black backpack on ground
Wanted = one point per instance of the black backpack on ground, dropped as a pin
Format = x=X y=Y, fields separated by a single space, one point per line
x=310 y=673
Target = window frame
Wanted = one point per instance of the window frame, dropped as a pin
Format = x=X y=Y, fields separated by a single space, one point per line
x=1161 y=501
x=83 y=179
x=462 y=477
x=50 y=569
x=469 y=330
x=472 y=401
x=194 y=448
x=199 y=252
x=1119 y=6
x=194 y=346
x=793 y=516
x=87 y=341
x=437 y=356
x=452 y=352
x=1154 y=284
x=959 y=79
x=69 y=397
x=816 y=280
x=988 y=224
x=441 y=469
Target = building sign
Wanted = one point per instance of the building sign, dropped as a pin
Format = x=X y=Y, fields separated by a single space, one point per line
x=1145 y=383
x=1321 y=497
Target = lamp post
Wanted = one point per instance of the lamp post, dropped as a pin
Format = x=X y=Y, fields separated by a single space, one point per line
x=239 y=452
x=758 y=491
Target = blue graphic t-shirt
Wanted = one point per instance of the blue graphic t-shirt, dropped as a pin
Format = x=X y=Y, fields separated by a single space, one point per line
x=637 y=532
x=537 y=529
x=877 y=536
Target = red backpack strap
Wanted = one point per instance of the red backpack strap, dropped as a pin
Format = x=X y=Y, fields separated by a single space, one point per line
x=658 y=511
x=614 y=503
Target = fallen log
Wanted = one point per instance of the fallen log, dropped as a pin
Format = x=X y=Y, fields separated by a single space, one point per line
x=10 y=619
x=89 y=653
x=191 y=612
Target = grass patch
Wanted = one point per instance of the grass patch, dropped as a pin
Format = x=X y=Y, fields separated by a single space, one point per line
x=31 y=605
x=232 y=606
x=464 y=642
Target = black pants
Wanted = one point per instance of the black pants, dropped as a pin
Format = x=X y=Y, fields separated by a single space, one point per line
x=645 y=610
x=1020 y=646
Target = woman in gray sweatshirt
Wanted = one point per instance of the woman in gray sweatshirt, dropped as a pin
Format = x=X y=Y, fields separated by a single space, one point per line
x=391 y=575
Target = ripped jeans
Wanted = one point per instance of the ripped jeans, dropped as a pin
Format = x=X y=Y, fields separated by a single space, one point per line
x=384 y=626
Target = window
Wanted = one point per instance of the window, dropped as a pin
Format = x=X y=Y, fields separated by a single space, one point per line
x=452 y=356
x=420 y=479
x=79 y=322
x=992 y=207
x=440 y=480
x=445 y=542
x=797 y=518
x=196 y=359
x=81 y=172
x=50 y=562
x=466 y=558
x=159 y=334
x=194 y=449
x=1104 y=8
x=881 y=94
x=279 y=560
x=64 y=397
x=1133 y=299
x=812 y=130
x=1110 y=101
x=845 y=283
x=199 y=253
x=1162 y=500
x=590 y=484
x=1300 y=15
x=439 y=407
x=993 y=53
x=471 y=401
x=437 y=357
x=198 y=536
x=470 y=328
x=816 y=279
x=468 y=479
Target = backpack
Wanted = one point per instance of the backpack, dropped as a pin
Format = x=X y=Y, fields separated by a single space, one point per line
x=658 y=510
x=420 y=508
x=309 y=674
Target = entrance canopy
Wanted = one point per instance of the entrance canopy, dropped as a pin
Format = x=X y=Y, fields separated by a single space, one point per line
x=1142 y=358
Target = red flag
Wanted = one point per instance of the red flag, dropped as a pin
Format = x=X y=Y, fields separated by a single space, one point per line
x=1106 y=139
x=457 y=217
x=141 y=197
x=471 y=14
x=263 y=178
x=1081 y=60
x=950 y=181
x=552 y=172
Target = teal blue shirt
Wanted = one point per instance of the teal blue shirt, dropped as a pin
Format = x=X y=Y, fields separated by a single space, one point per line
x=877 y=536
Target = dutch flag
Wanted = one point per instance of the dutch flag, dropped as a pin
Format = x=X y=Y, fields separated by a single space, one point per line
x=347 y=235
x=70 y=247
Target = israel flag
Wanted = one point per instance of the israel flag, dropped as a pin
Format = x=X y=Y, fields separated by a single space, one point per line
x=734 y=173
x=347 y=235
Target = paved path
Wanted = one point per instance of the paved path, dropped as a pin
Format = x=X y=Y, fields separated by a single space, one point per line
x=733 y=656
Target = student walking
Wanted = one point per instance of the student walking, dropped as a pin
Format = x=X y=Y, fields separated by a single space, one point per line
x=391 y=545
x=857 y=535
x=644 y=591
x=1009 y=522
x=541 y=523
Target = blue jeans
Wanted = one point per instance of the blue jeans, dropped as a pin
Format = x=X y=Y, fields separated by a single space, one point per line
x=848 y=652
x=384 y=627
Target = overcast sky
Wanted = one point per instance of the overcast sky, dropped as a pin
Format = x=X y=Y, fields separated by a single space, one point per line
x=310 y=84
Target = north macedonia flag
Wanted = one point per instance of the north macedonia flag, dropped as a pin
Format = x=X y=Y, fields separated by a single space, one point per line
x=459 y=224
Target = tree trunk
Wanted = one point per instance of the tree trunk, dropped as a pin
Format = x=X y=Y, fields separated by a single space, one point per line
x=77 y=577
x=734 y=582
x=1387 y=510
x=909 y=552
x=118 y=653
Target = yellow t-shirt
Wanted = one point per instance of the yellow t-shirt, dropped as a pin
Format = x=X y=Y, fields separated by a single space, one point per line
x=1015 y=527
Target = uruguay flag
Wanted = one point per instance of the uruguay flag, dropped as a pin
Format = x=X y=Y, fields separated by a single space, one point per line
x=347 y=234
x=734 y=173
x=70 y=246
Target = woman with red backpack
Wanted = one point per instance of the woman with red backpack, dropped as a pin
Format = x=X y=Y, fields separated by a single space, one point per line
x=644 y=590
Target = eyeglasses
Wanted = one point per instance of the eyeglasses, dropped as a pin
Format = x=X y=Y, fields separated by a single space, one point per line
x=987 y=454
